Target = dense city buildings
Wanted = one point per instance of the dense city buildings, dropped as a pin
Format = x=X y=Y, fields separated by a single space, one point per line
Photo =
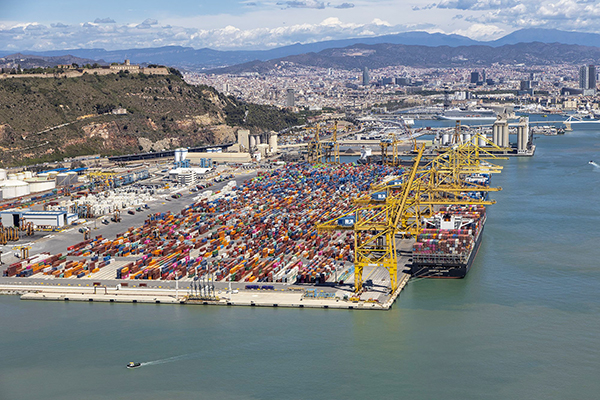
x=536 y=87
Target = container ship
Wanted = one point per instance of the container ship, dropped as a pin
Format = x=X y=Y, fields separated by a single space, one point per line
x=449 y=243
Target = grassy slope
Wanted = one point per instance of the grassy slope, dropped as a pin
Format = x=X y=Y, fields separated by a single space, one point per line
x=159 y=107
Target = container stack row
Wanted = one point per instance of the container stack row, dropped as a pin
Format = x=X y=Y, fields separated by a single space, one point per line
x=260 y=231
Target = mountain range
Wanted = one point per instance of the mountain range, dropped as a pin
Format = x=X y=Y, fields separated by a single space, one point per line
x=385 y=54
x=198 y=59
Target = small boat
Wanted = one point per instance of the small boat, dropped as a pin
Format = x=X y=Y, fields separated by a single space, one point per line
x=133 y=365
x=592 y=162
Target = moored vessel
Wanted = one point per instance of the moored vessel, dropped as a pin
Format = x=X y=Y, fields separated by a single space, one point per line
x=449 y=243
x=478 y=114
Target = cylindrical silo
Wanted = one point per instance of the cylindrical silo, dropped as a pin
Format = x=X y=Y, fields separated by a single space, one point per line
x=273 y=142
x=62 y=179
x=14 y=188
x=445 y=139
x=3 y=174
x=39 y=185
x=72 y=178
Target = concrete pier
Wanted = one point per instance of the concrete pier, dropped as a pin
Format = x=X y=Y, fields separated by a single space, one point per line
x=294 y=297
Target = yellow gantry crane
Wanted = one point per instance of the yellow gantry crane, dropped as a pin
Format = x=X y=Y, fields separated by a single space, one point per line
x=315 y=153
x=390 y=156
x=102 y=178
x=395 y=209
x=331 y=149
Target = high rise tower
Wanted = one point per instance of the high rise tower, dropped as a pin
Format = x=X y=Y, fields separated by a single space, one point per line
x=587 y=77
x=289 y=98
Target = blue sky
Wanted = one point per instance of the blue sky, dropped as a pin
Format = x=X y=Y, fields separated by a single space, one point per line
x=260 y=24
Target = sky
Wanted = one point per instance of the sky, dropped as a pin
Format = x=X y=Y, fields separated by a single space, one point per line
x=42 y=25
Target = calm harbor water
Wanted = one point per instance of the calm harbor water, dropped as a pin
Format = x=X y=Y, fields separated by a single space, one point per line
x=524 y=324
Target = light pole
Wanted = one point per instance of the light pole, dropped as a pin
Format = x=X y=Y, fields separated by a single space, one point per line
x=176 y=285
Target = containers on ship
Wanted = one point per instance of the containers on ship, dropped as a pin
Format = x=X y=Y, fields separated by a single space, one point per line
x=449 y=252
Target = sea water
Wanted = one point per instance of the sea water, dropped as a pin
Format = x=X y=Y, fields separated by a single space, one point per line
x=524 y=323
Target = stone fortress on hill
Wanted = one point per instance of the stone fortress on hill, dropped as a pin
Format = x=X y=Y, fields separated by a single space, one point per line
x=71 y=71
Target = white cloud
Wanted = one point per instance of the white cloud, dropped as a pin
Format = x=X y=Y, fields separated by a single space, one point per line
x=380 y=22
x=271 y=23
x=106 y=20
x=477 y=4
x=151 y=34
x=563 y=14
x=481 y=32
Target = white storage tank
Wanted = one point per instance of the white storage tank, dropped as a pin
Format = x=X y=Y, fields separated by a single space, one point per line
x=72 y=178
x=3 y=174
x=12 y=177
x=40 y=185
x=14 y=188
x=20 y=176
x=445 y=139
x=28 y=174
x=62 y=180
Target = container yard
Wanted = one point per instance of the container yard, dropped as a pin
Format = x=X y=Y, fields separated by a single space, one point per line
x=309 y=234
x=256 y=238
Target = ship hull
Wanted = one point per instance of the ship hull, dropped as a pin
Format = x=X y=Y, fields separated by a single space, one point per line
x=447 y=271
x=466 y=119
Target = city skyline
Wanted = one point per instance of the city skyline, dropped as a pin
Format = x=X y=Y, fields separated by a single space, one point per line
x=234 y=24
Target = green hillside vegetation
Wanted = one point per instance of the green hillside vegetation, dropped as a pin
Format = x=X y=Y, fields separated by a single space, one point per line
x=162 y=112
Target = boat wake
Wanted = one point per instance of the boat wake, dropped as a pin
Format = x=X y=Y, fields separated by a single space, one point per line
x=182 y=357
x=594 y=164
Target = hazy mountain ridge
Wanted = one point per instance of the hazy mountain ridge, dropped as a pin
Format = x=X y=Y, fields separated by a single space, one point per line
x=187 y=57
x=384 y=55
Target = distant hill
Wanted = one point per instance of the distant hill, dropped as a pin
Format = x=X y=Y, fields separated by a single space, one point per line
x=548 y=36
x=190 y=58
x=163 y=112
x=384 y=55
x=35 y=61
